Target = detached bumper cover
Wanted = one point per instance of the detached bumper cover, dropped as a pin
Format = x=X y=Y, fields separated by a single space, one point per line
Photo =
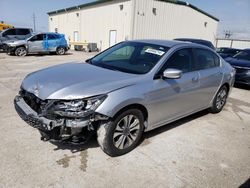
x=31 y=117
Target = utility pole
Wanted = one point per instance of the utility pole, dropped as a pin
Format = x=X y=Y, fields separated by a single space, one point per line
x=34 y=21
x=228 y=34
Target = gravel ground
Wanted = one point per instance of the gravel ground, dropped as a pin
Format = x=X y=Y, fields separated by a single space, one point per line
x=202 y=150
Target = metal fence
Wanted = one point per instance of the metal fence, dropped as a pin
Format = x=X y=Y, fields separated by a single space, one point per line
x=232 y=43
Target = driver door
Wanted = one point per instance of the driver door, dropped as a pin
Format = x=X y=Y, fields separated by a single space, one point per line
x=36 y=43
x=173 y=98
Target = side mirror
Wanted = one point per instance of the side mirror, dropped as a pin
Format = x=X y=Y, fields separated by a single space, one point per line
x=172 y=73
x=88 y=61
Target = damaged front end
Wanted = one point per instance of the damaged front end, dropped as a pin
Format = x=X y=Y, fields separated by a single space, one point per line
x=62 y=120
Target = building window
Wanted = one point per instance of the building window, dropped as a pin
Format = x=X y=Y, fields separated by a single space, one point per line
x=154 y=11
x=121 y=7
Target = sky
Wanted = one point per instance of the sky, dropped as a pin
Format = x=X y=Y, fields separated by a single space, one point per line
x=234 y=15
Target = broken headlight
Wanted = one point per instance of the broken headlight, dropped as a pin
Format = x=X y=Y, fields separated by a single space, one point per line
x=77 y=108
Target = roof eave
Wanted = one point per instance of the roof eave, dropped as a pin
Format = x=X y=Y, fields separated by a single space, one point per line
x=191 y=6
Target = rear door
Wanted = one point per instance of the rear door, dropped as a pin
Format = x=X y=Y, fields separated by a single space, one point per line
x=52 y=41
x=208 y=65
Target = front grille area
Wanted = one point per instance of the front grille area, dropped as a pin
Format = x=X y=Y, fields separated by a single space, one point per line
x=33 y=101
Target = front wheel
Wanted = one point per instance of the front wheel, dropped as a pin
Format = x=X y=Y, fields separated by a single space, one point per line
x=219 y=100
x=121 y=135
x=60 y=51
x=21 y=51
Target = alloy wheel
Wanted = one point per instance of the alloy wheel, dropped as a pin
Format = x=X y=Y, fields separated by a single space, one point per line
x=221 y=98
x=21 y=52
x=126 y=132
x=61 y=51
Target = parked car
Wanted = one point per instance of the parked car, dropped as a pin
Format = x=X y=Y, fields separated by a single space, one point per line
x=13 y=34
x=198 y=41
x=227 y=52
x=39 y=43
x=131 y=88
x=241 y=63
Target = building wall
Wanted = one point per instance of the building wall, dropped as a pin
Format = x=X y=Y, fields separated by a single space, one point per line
x=171 y=21
x=233 y=43
x=94 y=23
x=135 y=21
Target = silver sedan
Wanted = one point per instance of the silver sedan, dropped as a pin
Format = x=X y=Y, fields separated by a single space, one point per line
x=131 y=88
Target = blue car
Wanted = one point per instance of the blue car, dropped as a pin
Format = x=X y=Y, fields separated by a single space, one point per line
x=241 y=63
x=39 y=43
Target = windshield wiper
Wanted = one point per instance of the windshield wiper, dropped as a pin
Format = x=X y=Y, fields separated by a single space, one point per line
x=108 y=67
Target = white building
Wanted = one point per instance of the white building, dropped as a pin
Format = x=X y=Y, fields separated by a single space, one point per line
x=108 y=22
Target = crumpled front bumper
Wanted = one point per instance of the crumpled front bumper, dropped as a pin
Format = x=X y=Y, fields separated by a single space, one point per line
x=63 y=129
x=32 y=118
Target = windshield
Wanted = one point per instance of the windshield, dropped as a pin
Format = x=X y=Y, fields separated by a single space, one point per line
x=244 y=55
x=130 y=57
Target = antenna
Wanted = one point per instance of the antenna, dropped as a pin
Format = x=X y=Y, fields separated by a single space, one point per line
x=34 y=21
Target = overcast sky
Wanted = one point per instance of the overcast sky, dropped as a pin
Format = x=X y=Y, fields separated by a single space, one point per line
x=234 y=15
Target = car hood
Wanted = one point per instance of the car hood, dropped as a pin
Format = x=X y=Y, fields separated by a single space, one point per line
x=14 y=42
x=238 y=62
x=75 y=81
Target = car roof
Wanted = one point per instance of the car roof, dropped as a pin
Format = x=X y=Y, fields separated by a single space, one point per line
x=191 y=39
x=19 y=28
x=170 y=43
x=47 y=33
x=227 y=48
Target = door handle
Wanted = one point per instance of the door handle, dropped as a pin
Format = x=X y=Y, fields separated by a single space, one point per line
x=195 y=79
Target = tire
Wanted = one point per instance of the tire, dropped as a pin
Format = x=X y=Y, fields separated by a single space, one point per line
x=219 y=100
x=114 y=139
x=21 y=51
x=60 y=51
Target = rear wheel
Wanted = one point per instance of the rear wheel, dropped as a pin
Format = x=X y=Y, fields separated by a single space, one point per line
x=121 y=135
x=21 y=51
x=60 y=51
x=219 y=100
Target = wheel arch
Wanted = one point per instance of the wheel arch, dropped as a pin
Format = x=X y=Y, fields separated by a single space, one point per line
x=22 y=45
x=138 y=106
x=227 y=85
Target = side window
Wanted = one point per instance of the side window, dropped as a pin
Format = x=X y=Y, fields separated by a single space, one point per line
x=216 y=60
x=51 y=37
x=9 y=32
x=124 y=53
x=38 y=37
x=22 y=31
x=182 y=60
x=205 y=59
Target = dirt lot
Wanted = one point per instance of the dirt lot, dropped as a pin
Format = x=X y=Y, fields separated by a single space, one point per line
x=202 y=150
